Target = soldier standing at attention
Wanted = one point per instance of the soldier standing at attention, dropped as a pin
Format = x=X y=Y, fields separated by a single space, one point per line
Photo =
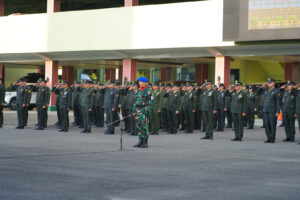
x=166 y=94
x=222 y=107
x=209 y=109
x=21 y=103
x=182 y=119
x=238 y=109
x=129 y=106
x=156 y=109
x=174 y=109
x=271 y=110
x=76 y=104
x=64 y=106
x=228 y=112
x=2 y=95
x=142 y=109
x=289 y=108
x=251 y=107
x=189 y=107
x=57 y=90
x=42 y=103
x=297 y=114
x=86 y=102
x=110 y=106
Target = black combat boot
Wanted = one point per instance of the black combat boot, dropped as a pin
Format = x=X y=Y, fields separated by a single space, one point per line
x=145 y=143
x=139 y=144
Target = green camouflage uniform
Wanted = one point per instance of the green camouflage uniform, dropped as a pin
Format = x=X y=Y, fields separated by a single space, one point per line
x=142 y=108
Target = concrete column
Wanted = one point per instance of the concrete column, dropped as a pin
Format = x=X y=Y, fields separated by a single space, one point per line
x=222 y=70
x=163 y=74
x=53 y=6
x=51 y=74
x=1 y=8
x=128 y=3
x=68 y=74
x=291 y=72
x=201 y=72
x=110 y=74
x=129 y=70
x=120 y=73
x=1 y=65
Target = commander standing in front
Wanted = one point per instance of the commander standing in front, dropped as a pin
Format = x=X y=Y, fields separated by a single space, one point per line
x=142 y=109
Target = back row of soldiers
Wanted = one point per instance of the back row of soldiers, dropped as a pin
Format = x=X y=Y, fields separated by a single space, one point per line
x=186 y=106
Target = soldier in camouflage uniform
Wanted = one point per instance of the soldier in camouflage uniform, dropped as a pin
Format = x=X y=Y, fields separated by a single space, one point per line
x=2 y=96
x=142 y=109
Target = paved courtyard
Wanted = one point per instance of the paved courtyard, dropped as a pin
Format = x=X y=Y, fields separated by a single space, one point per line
x=40 y=165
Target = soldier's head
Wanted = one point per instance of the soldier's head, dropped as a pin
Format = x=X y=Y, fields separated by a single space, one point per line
x=238 y=85
x=290 y=85
x=271 y=83
x=208 y=84
x=143 y=81
x=65 y=84
x=221 y=87
x=155 y=86
x=42 y=82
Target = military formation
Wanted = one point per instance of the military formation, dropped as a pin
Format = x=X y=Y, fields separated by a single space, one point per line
x=149 y=109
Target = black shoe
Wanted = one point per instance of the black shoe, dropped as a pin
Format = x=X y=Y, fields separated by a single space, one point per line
x=83 y=131
x=292 y=140
x=299 y=143
x=286 y=140
x=88 y=131
x=39 y=128
x=20 y=127
x=235 y=139
x=63 y=130
x=205 y=138
x=145 y=143
x=272 y=141
x=267 y=141
x=155 y=133
x=262 y=127
x=139 y=144
x=0 y=126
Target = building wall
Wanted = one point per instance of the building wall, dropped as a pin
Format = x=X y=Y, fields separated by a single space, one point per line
x=257 y=71
x=140 y=27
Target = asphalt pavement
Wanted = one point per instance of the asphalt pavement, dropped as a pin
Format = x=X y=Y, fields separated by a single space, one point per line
x=41 y=165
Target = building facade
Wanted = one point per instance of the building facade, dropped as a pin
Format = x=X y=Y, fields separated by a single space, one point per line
x=246 y=40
